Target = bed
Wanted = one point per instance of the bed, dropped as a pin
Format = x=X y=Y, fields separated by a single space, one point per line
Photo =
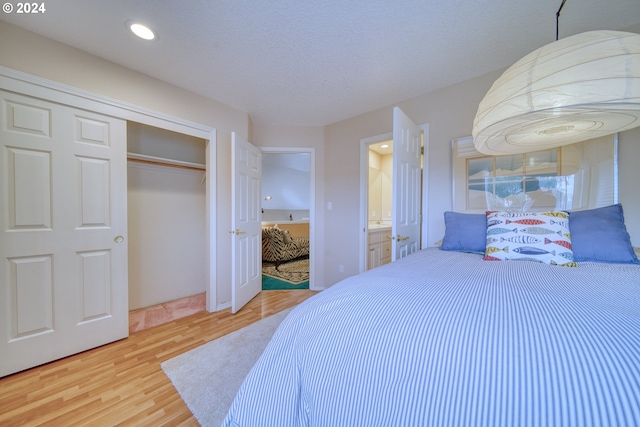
x=447 y=338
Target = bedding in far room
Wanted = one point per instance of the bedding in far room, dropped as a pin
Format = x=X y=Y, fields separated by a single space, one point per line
x=445 y=338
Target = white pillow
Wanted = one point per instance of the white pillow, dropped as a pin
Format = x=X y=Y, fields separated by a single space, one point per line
x=535 y=236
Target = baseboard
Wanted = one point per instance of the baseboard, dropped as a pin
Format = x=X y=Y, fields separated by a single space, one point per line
x=155 y=315
x=223 y=306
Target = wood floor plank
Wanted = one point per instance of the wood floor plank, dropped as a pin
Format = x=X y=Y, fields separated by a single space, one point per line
x=122 y=383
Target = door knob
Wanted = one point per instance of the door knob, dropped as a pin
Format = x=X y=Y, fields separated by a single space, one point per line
x=118 y=239
x=401 y=238
x=237 y=232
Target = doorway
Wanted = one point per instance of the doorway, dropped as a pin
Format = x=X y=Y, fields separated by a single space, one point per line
x=380 y=204
x=375 y=181
x=288 y=196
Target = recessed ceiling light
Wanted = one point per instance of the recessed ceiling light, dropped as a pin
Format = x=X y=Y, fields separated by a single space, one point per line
x=384 y=146
x=141 y=30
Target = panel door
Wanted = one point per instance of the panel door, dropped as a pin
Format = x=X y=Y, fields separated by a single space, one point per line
x=63 y=255
x=407 y=142
x=246 y=222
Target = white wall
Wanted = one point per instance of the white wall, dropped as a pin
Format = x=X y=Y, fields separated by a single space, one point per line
x=375 y=187
x=31 y=53
x=387 y=186
x=286 y=182
x=449 y=113
x=166 y=234
x=380 y=186
x=152 y=141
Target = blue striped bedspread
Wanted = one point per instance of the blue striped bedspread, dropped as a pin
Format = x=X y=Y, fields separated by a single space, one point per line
x=447 y=339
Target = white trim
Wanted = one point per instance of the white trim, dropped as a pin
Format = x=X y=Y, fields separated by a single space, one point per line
x=312 y=205
x=20 y=82
x=463 y=147
x=223 y=306
x=109 y=105
x=615 y=168
x=211 y=209
x=425 y=185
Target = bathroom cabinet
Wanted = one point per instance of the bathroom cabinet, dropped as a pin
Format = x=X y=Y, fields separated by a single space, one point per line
x=379 y=247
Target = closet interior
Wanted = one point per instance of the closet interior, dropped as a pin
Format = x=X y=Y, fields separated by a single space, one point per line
x=167 y=244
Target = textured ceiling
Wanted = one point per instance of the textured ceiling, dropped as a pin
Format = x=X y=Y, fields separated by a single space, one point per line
x=315 y=62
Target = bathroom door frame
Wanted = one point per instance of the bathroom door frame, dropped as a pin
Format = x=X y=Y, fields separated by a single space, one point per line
x=364 y=190
x=312 y=203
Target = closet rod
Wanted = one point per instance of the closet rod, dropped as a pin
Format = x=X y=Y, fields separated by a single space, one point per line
x=152 y=160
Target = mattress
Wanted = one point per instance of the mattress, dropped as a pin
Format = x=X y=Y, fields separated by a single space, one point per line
x=447 y=339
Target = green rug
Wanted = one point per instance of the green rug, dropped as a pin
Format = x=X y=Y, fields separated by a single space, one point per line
x=271 y=283
x=289 y=275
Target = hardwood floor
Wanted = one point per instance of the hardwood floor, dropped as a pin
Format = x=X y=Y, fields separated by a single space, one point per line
x=122 y=383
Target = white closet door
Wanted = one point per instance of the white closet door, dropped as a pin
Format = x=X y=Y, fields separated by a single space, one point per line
x=246 y=248
x=63 y=253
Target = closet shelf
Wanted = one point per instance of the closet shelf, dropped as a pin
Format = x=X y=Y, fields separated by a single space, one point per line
x=142 y=158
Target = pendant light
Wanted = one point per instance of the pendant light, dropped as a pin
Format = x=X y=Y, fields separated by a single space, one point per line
x=578 y=88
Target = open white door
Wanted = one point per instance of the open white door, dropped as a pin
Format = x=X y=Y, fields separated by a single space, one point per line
x=63 y=252
x=246 y=222
x=407 y=138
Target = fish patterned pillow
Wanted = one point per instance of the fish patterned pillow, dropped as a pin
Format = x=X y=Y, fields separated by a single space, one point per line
x=532 y=236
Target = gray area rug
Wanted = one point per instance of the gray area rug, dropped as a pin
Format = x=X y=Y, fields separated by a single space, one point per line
x=208 y=377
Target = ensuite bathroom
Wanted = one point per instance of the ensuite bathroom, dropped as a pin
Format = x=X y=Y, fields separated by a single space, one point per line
x=380 y=207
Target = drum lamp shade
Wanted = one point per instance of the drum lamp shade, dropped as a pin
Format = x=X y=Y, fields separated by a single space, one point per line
x=574 y=89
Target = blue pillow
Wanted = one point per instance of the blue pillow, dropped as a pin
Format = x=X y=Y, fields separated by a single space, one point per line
x=600 y=235
x=465 y=232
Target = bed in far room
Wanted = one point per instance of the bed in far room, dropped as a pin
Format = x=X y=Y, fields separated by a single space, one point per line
x=455 y=337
